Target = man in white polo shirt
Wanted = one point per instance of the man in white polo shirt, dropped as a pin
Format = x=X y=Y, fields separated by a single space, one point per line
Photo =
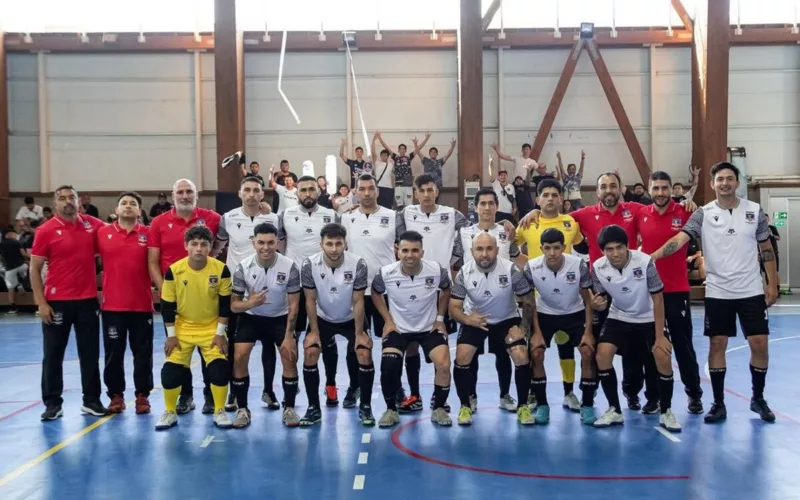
x=417 y=292
x=334 y=281
x=492 y=285
x=733 y=232
x=630 y=279
x=287 y=192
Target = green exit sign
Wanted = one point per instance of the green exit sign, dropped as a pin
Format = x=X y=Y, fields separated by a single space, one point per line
x=780 y=215
x=780 y=223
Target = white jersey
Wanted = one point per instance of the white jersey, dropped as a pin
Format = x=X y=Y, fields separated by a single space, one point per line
x=301 y=230
x=507 y=249
x=334 y=287
x=630 y=289
x=236 y=227
x=279 y=280
x=492 y=292
x=505 y=195
x=559 y=292
x=372 y=238
x=413 y=300
x=730 y=241
x=287 y=197
x=438 y=230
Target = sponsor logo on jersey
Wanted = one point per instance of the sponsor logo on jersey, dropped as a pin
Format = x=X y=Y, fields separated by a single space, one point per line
x=87 y=225
x=412 y=298
x=426 y=229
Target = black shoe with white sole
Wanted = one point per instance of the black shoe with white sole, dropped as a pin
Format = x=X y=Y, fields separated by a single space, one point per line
x=52 y=412
x=95 y=408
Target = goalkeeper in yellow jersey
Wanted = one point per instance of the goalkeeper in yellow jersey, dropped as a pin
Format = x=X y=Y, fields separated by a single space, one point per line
x=195 y=305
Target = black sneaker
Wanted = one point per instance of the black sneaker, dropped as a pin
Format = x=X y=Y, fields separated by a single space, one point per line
x=52 y=412
x=760 y=406
x=208 y=405
x=95 y=408
x=446 y=406
x=695 y=406
x=271 y=400
x=365 y=416
x=313 y=416
x=351 y=398
x=717 y=413
x=651 y=408
x=400 y=396
x=185 y=405
x=231 y=404
x=633 y=403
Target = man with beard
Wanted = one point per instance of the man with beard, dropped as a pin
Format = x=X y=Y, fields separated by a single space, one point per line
x=300 y=225
x=165 y=247
x=657 y=223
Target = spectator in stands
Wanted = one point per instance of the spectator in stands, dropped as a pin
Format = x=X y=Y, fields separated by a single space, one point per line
x=638 y=195
x=571 y=181
x=567 y=207
x=506 y=203
x=523 y=164
x=30 y=210
x=254 y=168
x=162 y=206
x=679 y=192
x=432 y=164
x=540 y=173
x=14 y=257
x=358 y=166
x=343 y=201
x=324 y=199
x=522 y=195
x=48 y=213
x=279 y=178
x=87 y=207
x=403 y=175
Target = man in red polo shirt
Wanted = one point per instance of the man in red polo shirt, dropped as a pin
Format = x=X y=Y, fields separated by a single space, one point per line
x=127 y=304
x=165 y=246
x=68 y=298
x=657 y=223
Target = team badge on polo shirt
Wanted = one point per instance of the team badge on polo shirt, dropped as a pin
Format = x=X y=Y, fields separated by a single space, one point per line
x=676 y=223
x=213 y=280
x=570 y=277
x=384 y=221
x=429 y=282
x=142 y=239
x=750 y=217
x=502 y=236
x=280 y=278
x=348 y=277
x=567 y=224
x=637 y=273
x=200 y=222
x=626 y=214
x=326 y=219
x=445 y=218
x=503 y=280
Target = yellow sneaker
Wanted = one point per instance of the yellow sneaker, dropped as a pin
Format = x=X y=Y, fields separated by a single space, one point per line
x=465 y=416
x=525 y=416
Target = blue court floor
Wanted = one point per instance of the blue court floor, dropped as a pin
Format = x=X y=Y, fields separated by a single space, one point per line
x=122 y=457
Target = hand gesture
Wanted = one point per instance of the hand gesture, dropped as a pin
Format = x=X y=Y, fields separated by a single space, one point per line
x=388 y=328
x=257 y=298
x=583 y=154
x=599 y=302
x=453 y=142
x=478 y=320
x=531 y=218
x=537 y=341
x=695 y=171
x=221 y=342
x=558 y=154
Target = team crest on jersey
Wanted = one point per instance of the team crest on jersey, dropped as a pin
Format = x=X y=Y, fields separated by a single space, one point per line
x=213 y=280
x=280 y=278
x=326 y=219
x=503 y=280
x=384 y=221
x=87 y=225
x=200 y=222
x=502 y=236
x=348 y=276
x=567 y=224
x=142 y=239
x=637 y=273
x=676 y=223
x=626 y=214
x=570 y=277
x=750 y=217
x=444 y=218
x=429 y=282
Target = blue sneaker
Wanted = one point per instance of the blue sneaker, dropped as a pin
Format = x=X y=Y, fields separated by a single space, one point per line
x=542 y=415
x=587 y=415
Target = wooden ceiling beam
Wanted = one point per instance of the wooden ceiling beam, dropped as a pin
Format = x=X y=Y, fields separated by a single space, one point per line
x=490 y=13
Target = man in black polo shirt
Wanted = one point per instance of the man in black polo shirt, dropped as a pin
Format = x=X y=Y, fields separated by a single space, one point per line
x=14 y=260
x=358 y=167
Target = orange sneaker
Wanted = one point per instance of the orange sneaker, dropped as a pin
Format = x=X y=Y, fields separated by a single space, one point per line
x=142 y=405
x=331 y=396
x=410 y=405
x=117 y=404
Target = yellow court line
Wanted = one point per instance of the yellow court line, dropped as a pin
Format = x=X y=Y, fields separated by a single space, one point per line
x=63 y=444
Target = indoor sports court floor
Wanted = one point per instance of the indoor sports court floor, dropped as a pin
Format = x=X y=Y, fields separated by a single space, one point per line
x=81 y=457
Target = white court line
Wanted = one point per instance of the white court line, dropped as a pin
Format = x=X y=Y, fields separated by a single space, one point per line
x=744 y=346
x=366 y=438
x=358 y=482
x=207 y=441
x=363 y=457
x=672 y=437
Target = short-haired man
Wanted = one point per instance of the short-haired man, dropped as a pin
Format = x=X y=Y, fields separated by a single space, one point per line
x=403 y=174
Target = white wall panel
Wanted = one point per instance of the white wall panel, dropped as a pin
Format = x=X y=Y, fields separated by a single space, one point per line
x=23 y=115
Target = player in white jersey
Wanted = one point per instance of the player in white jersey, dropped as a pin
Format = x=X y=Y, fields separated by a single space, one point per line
x=492 y=285
x=563 y=311
x=733 y=231
x=417 y=292
x=438 y=226
x=301 y=225
x=266 y=291
x=630 y=279
x=334 y=281
x=236 y=231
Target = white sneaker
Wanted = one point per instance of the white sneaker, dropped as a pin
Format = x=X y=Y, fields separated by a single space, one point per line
x=571 y=403
x=508 y=403
x=473 y=403
x=221 y=419
x=669 y=422
x=241 y=419
x=168 y=419
x=609 y=418
x=390 y=418
x=440 y=417
x=290 y=418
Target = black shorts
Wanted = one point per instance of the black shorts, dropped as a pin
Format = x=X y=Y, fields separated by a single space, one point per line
x=572 y=324
x=328 y=331
x=253 y=328
x=428 y=340
x=623 y=334
x=302 y=316
x=372 y=317
x=721 y=316
x=497 y=336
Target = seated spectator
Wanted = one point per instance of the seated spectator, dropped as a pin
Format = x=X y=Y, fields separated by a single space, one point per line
x=638 y=195
x=343 y=201
x=48 y=213
x=30 y=211
x=161 y=206
x=14 y=261
x=567 y=207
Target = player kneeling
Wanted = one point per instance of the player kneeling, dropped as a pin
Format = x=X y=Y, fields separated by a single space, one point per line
x=490 y=285
x=197 y=289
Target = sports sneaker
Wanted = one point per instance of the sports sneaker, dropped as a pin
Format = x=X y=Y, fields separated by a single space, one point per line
x=761 y=407
x=651 y=408
x=241 y=419
x=717 y=413
x=609 y=418
x=13 y=312
x=208 y=405
x=588 y=416
x=508 y=403
x=168 y=419
x=634 y=403
x=351 y=397
x=524 y=416
x=695 y=406
x=440 y=417
x=473 y=403
x=269 y=399
x=290 y=418
x=221 y=419
x=433 y=404
x=668 y=421
x=331 y=396
x=365 y=416
x=390 y=418
x=531 y=401
x=185 y=405
x=117 y=404
x=465 y=416
x=571 y=403
x=231 y=404
x=94 y=408
x=142 y=405
x=411 y=404
x=400 y=396
x=313 y=416
x=52 y=412
x=542 y=415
